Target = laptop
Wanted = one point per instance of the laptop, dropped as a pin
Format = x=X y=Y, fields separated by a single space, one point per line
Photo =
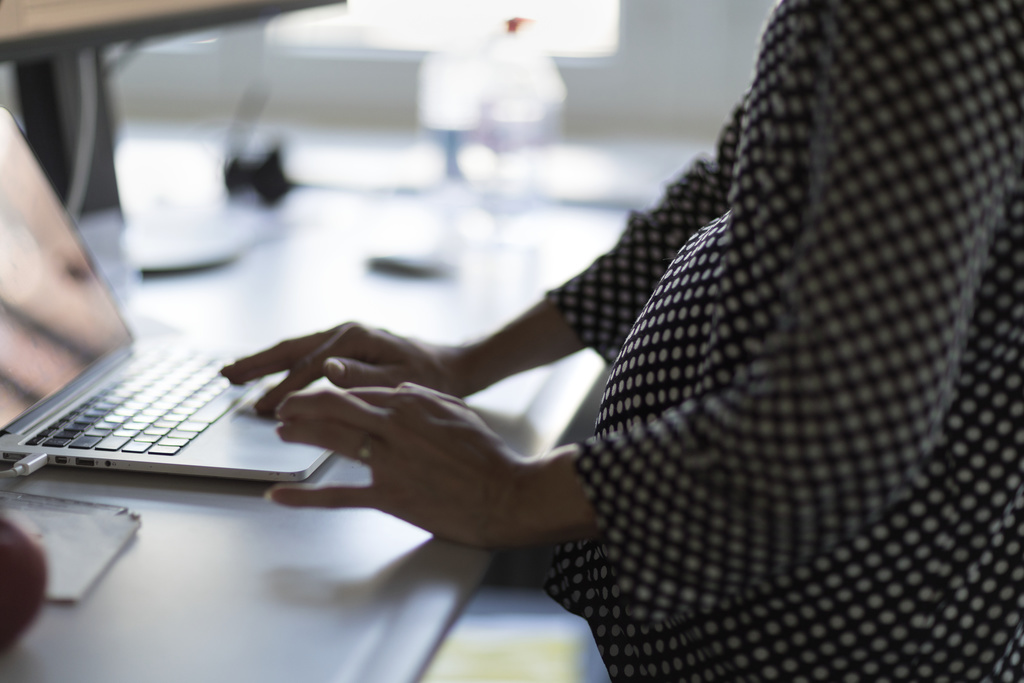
x=77 y=385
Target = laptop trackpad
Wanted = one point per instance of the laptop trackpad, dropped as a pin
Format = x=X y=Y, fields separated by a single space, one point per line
x=246 y=441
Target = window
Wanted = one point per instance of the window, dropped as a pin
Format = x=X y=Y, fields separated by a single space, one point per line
x=632 y=67
x=566 y=28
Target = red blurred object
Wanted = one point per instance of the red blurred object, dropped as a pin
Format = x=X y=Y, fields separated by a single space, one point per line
x=512 y=25
x=22 y=581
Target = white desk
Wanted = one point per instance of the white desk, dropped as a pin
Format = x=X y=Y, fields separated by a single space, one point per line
x=220 y=585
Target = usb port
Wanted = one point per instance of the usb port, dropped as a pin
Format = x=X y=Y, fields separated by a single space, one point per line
x=86 y=462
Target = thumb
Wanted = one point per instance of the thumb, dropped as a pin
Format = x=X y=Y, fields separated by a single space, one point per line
x=320 y=496
x=350 y=374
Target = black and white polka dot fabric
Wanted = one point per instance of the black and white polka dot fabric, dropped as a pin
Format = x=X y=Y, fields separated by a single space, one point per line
x=809 y=461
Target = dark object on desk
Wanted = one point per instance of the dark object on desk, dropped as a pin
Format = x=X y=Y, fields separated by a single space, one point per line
x=23 y=568
x=264 y=174
x=409 y=266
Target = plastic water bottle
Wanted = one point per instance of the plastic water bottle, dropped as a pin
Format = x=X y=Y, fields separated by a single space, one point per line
x=520 y=114
x=448 y=106
x=493 y=109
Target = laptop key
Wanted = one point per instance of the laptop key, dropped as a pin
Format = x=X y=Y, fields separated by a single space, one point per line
x=164 y=450
x=85 y=442
x=215 y=408
x=136 y=447
x=112 y=443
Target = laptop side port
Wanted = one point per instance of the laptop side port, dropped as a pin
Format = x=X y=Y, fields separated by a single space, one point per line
x=85 y=462
x=61 y=460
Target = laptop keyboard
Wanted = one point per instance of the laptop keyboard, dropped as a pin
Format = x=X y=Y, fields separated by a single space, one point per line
x=163 y=402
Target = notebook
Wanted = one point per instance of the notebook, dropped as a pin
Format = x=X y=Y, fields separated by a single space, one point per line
x=76 y=384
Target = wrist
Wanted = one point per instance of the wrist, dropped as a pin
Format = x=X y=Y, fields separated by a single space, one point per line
x=537 y=337
x=545 y=503
x=467 y=366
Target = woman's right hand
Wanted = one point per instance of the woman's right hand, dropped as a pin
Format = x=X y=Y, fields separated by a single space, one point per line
x=359 y=357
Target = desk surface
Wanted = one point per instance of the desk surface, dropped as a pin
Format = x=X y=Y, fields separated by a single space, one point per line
x=220 y=585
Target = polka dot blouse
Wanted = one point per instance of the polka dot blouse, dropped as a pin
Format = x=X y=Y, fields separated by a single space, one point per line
x=809 y=460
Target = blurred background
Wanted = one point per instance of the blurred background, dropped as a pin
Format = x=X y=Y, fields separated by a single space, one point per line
x=647 y=82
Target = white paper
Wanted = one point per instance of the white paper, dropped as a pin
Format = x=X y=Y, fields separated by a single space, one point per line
x=80 y=539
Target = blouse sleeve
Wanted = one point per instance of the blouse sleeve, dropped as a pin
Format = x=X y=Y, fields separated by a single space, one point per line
x=603 y=302
x=881 y=210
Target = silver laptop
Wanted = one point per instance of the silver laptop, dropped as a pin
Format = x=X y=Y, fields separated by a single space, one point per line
x=76 y=385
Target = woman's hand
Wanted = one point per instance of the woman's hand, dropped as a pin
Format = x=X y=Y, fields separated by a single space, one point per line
x=366 y=357
x=436 y=464
x=360 y=357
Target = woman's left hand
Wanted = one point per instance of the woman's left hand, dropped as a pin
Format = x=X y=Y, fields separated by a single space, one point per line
x=437 y=465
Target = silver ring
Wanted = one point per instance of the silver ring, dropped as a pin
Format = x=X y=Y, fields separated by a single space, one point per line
x=364 y=451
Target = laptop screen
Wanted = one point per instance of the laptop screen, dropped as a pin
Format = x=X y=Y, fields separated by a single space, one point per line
x=57 y=317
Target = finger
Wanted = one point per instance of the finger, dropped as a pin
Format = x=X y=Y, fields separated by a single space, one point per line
x=408 y=404
x=247 y=369
x=308 y=368
x=379 y=396
x=343 y=407
x=329 y=435
x=300 y=377
x=294 y=495
x=274 y=359
x=350 y=340
x=277 y=358
x=349 y=373
x=407 y=409
x=382 y=397
x=444 y=410
x=412 y=388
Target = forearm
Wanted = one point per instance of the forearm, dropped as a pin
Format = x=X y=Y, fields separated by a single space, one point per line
x=537 y=337
x=545 y=503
